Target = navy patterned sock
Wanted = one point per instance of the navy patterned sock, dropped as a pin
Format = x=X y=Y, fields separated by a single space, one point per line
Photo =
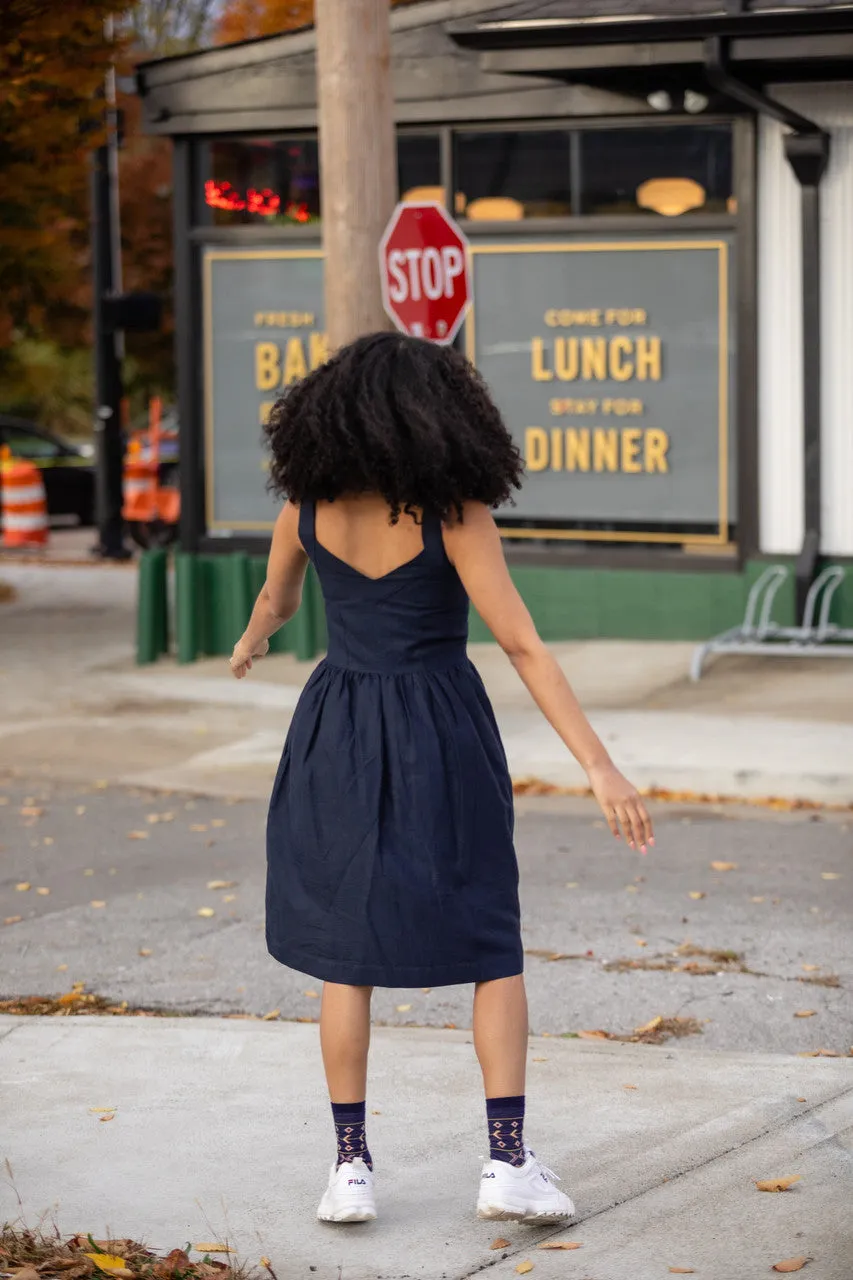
x=349 y=1131
x=506 y=1129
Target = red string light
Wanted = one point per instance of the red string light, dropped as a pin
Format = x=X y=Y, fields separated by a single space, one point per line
x=266 y=203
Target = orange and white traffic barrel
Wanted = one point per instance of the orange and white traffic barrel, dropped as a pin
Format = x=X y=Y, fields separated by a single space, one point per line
x=23 y=515
x=139 y=482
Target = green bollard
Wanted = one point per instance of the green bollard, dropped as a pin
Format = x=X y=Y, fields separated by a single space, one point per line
x=188 y=606
x=152 y=612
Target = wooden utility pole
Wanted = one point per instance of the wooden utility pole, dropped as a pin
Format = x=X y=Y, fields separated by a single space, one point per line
x=358 y=166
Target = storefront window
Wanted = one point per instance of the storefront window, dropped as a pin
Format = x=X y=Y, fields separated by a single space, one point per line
x=272 y=181
x=510 y=176
x=673 y=170
x=419 y=167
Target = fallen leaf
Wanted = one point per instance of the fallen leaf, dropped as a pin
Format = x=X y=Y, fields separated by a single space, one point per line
x=756 y=899
x=229 y=897
x=198 y=826
x=97 y=1111
x=791 y=1264
x=681 y=1271
x=100 y=784
x=819 y=1053
x=403 y=1008
x=724 y=866
x=97 y=902
x=107 y=1261
x=594 y=1035
x=23 y=886
x=538 y=1059
x=312 y=995
x=265 y=1262
x=47 y=840
x=221 y=884
x=778 y=1184
x=631 y=888
x=805 y=1013
x=137 y=835
x=217 y=822
x=144 y=951
x=650 y=1026
x=641 y=942
x=560 y=1244
x=31 y=811
x=13 y=920
x=572 y=884
x=376 y=1113
x=60 y=968
x=801 y=1099
x=215 y=1248
x=524 y=1267
x=426 y=990
x=629 y=1086
x=104 y=1119
x=809 y=968
x=89 y=871
x=696 y=894
x=80 y=810
x=206 y=911
x=272 y=1015
x=829 y=875
x=43 y=891
x=26 y=1273
x=500 y=1243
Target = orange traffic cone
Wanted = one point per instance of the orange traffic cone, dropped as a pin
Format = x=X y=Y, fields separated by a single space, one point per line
x=140 y=483
x=24 y=510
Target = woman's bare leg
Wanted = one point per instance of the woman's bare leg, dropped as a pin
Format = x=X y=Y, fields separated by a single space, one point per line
x=500 y=1035
x=345 y=1040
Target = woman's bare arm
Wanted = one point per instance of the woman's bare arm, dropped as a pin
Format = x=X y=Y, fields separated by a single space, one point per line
x=474 y=547
x=281 y=594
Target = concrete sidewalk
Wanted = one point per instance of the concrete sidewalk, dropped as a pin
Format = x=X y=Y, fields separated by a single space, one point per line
x=221 y=1131
x=75 y=707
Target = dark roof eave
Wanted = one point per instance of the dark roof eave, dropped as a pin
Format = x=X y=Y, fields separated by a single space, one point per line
x=558 y=33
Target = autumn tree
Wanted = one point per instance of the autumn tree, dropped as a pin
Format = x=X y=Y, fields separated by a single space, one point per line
x=249 y=19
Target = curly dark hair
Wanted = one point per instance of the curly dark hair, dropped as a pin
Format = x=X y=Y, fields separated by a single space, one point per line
x=397 y=416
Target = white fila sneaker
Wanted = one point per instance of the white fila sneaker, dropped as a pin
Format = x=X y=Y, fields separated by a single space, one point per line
x=521 y=1193
x=349 y=1195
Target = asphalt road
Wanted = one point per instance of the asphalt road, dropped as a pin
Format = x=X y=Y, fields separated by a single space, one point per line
x=128 y=872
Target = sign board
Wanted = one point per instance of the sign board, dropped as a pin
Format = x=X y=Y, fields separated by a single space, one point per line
x=423 y=262
x=611 y=363
x=263 y=329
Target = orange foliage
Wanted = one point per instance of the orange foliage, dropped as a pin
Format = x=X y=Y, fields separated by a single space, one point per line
x=52 y=62
x=249 y=19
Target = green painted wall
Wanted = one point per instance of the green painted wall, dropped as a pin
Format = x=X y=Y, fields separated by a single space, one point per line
x=213 y=596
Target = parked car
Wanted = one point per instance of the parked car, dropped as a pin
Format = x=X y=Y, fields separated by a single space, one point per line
x=67 y=469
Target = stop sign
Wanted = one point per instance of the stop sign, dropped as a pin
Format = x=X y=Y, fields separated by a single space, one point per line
x=423 y=262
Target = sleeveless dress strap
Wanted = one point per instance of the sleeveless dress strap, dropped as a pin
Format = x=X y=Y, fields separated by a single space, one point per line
x=433 y=539
x=307 y=535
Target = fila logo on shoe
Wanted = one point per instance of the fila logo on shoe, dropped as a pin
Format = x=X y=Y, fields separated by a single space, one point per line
x=356 y=1182
x=487 y=1175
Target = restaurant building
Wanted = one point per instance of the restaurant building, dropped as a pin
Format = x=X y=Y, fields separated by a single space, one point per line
x=659 y=203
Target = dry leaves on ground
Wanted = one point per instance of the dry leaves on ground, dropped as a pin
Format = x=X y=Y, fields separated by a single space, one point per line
x=36 y=1255
x=137 y=835
x=724 y=866
x=696 y=894
x=658 y=1030
x=791 y=1264
x=221 y=884
x=778 y=1184
x=559 y=1244
x=805 y=1013
x=500 y=1243
x=73 y=1003
x=207 y=912
x=524 y=1267
x=681 y=1271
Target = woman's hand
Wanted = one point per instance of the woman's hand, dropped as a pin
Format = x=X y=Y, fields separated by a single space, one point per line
x=244 y=655
x=621 y=805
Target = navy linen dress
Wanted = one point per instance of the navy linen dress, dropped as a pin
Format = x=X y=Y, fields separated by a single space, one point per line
x=390 y=858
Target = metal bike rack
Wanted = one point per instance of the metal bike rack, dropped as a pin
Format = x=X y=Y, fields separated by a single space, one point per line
x=812 y=639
